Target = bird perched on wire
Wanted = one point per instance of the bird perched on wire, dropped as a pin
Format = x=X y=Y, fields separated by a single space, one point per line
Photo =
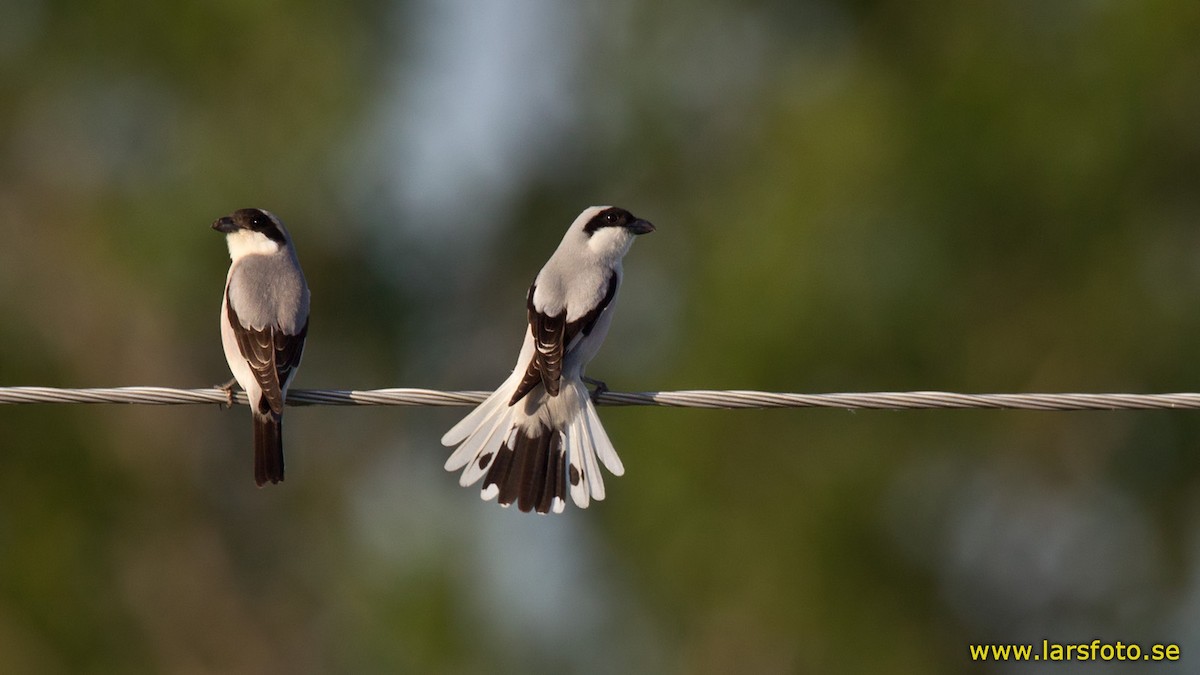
x=538 y=436
x=264 y=320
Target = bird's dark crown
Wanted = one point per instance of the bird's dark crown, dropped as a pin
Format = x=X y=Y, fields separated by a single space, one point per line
x=613 y=216
x=255 y=220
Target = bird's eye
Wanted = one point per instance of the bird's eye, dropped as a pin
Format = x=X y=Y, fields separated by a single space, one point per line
x=611 y=218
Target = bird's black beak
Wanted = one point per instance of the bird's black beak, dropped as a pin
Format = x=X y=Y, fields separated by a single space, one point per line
x=224 y=224
x=640 y=226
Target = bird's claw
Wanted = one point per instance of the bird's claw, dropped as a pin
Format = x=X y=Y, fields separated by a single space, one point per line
x=600 y=388
x=228 y=389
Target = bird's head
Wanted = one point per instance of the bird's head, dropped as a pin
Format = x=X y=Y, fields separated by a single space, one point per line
x=252 y=231
x=608 y=231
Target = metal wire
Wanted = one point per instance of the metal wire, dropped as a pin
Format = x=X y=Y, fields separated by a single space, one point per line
x=912 y=400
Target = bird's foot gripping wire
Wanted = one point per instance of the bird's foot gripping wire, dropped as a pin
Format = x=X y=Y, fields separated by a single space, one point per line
x=600 y=388
x=228 y=389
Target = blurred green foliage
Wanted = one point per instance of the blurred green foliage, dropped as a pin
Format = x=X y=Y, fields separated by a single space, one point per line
x=849 y=196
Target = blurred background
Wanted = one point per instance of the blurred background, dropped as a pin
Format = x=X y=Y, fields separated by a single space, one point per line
x=850 y=196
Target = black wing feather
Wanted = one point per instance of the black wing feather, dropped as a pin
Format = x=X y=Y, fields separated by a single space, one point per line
x=553 y=336
x=548 y=340
x=272 y=355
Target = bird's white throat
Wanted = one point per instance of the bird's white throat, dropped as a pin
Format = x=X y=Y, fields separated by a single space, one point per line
x=610 y=244
x=247 y=242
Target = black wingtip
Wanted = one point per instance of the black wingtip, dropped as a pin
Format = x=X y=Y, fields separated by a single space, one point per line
x=268 y=449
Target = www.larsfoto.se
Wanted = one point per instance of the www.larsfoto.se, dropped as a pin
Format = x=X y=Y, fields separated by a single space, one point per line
x=1080 y=651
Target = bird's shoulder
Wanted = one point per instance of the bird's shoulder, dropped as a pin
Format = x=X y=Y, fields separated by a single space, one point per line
x=269 y=290
x=575 y=290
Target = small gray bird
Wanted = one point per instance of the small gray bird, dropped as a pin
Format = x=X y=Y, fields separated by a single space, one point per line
x=538 y=436
x=264 y=320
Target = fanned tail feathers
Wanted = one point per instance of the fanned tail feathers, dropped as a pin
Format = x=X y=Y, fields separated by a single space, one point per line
x=534 y=453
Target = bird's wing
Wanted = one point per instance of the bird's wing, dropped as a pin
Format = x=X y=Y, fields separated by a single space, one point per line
x=272 y=355
x=553 y=336
x=582 y=327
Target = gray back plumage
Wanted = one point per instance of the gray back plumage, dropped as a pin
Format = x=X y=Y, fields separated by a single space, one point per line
x=270 y=290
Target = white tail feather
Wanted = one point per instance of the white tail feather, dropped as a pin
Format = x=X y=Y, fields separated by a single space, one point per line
x=475 y=419
x=604 y=447
x=595 y=480
x=570 y=459
x=580 y=492
x=492 y=438
x=469 y=450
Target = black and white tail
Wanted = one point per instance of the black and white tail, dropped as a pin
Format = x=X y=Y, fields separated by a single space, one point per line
x=535 y=451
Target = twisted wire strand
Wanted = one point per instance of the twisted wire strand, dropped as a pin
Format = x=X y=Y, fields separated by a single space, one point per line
x=712 y=399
